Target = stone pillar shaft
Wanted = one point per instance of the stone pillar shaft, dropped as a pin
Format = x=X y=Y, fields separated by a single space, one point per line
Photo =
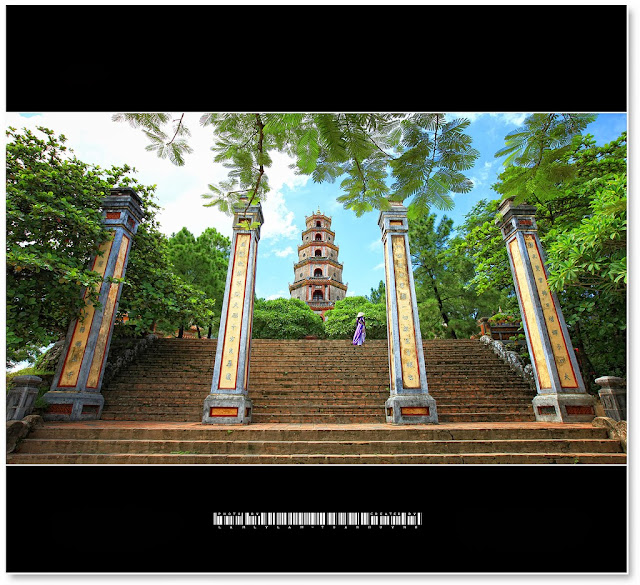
x=409 y=401
x=561 y=392
x=75 y=390
x=228 y=401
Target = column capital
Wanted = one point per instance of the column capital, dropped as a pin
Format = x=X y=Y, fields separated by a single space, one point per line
x=243 y=212
x=512 y=218
x=393 y=220
x=122 y=208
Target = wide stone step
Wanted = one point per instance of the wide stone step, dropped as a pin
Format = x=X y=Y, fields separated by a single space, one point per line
x=363 y=447
x=375 y=459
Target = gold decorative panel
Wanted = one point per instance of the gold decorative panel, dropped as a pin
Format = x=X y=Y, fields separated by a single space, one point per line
x=78 y=345
x=235 y=308
x=533 y=327
x=389 y=323
x=407 y=341
x=559 y=345
x=107 y=317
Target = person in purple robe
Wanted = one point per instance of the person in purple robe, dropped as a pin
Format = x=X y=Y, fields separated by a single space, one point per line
x=361 y=332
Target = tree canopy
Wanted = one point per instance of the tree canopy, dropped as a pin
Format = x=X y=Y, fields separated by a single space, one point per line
x=285 y=319
x=54 y=227
x=419 y=158
x=340 y=322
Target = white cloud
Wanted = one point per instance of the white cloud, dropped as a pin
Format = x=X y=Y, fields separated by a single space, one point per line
x=278 y=219
x=96 y=139
x=375 y=246
x=485 y=172
x=284 y=252
x=281 y=294
x=379 y=266
x=508 y=118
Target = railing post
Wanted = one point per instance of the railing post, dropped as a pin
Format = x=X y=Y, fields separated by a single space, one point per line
x=561 y=393
x=22 y=396
x=410 y=401
x=75 y=391
x=613 y=395
x=228 y=401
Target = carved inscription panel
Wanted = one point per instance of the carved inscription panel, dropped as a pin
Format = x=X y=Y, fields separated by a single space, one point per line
x=552 y=322
x=404 y=304
x=235 y=308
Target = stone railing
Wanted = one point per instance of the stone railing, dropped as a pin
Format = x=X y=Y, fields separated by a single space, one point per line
x=121 y=356
x=511 y=358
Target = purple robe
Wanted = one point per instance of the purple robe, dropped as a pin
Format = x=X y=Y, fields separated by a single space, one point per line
x=361 y=333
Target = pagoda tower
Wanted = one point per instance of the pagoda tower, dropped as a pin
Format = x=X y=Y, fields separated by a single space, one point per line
x=318 y=274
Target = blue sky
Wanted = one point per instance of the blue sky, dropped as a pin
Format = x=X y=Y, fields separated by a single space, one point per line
x=96 y=139
x=359 y=238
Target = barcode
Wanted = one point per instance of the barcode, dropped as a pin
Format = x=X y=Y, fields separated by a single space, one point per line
x=317 y=519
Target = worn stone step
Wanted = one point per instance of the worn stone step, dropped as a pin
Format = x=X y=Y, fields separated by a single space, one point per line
x=197 y=431
x=266 y=447
x=225 y=459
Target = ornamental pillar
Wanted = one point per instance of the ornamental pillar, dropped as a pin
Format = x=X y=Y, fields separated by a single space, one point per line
x=561 y=393
x=410 y=401
x=228 y=401
x=75 y=390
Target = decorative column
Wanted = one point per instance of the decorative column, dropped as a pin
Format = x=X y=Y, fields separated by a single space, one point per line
x=75 y=391
x=228 y=402
x=410 y=401
x=561 y=393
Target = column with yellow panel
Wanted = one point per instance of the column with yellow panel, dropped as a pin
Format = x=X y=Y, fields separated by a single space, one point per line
x=561 y=392
x=75 y=390
x=410 y=401
x=228 y=401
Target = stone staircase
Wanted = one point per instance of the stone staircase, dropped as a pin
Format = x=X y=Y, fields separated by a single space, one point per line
x=316 y=402
x=130 y=442
x=317 y=381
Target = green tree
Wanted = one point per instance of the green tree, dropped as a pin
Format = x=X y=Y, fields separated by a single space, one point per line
x=285 y=319
x=154 y=296
x=202 y=263
x=479 y=240
x=340 y=322
x=378 y=295
x=579 y=190
x=53 y=227
x=423 y=156
x=447 y=306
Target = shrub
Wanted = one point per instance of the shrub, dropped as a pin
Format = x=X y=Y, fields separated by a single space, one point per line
x=341 y=321
x=285 y=319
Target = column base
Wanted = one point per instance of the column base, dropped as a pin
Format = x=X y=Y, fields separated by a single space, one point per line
x=227 y=409
x=566 y=408
x=409 y=409
x=68 y=406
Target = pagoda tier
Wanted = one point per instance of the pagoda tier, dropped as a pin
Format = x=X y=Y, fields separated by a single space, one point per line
x=318 y=274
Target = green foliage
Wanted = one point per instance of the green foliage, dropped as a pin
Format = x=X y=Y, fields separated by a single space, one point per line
x=448 y=306
x=378 y=295
x=202 y=262
x=579 y=190
x=480 y=240
x=53 y=226
x=340 y=322
x=154 y=294
x=593 y=253
x=165 y=147
x=285 y=319
x=502 y=318
x=424 y=155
